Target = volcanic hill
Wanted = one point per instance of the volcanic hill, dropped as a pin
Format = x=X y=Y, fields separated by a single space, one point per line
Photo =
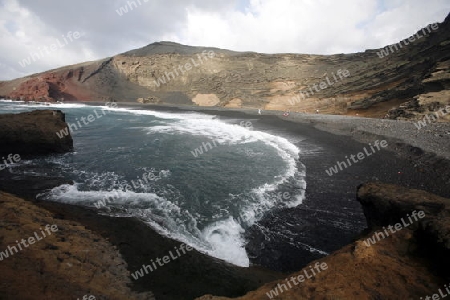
x=401 y=81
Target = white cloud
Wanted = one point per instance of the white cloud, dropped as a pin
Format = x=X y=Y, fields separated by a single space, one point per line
x=306 y=26
x=404 y=18
x=268 y=26
x=23 y=33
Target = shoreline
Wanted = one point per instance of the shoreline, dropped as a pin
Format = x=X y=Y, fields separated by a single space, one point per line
x=339 y=125
x=329 y=218
x=330 y=199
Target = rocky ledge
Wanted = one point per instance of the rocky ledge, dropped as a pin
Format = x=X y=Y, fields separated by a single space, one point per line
x=34 y=133
x=404 y=253
x=56 y=259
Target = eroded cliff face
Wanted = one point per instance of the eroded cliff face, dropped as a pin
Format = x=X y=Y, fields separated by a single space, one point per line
x=398 y=81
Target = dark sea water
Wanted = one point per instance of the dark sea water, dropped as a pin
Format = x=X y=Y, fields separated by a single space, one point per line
x=205 y=200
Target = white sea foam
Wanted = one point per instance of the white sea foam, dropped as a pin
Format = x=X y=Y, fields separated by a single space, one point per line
x=58 y=105
x=162 y=115
x=223 y=238
x=11 y=101
x=67 y=193
x=219 y=240
x=43 y=104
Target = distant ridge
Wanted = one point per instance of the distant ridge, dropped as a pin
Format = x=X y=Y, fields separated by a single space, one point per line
x=406 y=80
x=166 y=47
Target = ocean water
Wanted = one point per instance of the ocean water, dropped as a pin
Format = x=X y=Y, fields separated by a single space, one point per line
x=143 y=163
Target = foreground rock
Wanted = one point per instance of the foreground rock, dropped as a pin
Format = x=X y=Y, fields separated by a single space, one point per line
x=66 y=264
x=90 y=253
x=386 y=205
x=34 y=133
x=410 y=262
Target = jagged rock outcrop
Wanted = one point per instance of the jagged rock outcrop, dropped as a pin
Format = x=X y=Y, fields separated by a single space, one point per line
x=379 y=82
x=68 y=263
x=34 y=133
x=152 y=100
x=437 y=98
x=405 y=263
x=385 y=205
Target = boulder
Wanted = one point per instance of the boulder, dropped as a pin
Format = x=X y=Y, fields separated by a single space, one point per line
x=387 y=204
x=34 y=133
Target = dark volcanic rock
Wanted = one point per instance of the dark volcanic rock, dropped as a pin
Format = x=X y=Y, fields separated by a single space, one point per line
x=407 y=264
x=34 y=133
x=66 y=263
x=386 y=204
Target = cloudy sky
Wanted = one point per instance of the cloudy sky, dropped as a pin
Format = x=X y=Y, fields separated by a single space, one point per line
x=109 y=27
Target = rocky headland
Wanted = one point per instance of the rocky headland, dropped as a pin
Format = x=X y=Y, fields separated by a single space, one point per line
x=34 y=133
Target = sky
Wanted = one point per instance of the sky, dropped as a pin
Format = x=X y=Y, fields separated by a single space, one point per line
x=38 y=35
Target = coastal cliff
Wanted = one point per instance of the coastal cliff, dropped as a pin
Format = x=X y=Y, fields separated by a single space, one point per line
x=407 y=80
